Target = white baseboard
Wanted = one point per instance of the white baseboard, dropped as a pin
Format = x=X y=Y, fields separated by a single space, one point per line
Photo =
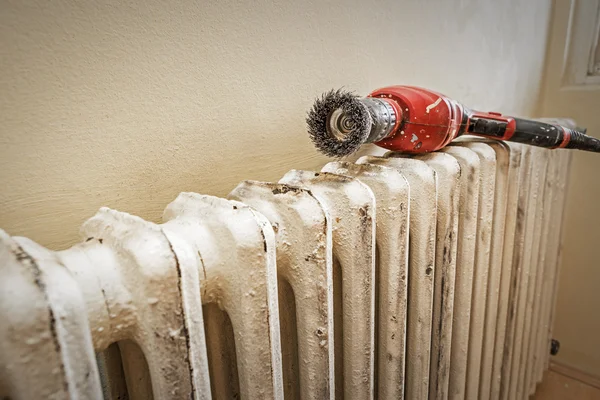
x=575 y=373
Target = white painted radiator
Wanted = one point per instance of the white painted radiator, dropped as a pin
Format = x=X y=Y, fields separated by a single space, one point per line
x=425 y=277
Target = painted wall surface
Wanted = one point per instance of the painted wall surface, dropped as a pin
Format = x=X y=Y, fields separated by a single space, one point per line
x=127 y=103
x=577 y=323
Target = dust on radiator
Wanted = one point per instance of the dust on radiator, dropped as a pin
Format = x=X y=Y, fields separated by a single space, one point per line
x=432 y=276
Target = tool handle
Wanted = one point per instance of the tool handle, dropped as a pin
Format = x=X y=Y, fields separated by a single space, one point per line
x=539 y=134
x=535 y=133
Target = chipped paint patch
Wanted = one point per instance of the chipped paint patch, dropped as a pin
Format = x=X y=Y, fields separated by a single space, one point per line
x=433 y=105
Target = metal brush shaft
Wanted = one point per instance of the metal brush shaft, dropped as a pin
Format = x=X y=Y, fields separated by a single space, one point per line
x=383 y=118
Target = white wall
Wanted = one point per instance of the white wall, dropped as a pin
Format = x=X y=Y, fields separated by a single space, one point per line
x=127 y=103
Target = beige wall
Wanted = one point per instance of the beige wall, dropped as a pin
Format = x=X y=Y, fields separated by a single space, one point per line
x=127 y=103
x=577 y=323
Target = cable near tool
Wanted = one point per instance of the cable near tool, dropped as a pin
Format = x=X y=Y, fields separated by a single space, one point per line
x=414 y=120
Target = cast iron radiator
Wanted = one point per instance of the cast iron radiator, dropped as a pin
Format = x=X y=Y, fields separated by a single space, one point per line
x=421 y=277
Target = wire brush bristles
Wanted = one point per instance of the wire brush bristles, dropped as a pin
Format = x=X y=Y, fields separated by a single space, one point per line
x=318 y=120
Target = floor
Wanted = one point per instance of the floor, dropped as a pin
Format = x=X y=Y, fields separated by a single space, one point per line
x=556 y=386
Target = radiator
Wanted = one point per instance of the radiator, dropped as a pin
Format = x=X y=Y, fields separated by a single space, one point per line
x=431 y=276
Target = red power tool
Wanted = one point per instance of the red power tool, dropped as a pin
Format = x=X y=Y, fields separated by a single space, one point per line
x=409 y=119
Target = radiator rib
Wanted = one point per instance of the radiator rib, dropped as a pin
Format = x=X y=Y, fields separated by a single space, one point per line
x=351 y=205
x=392 y=198
x=423 y=200
x=467 y=222
x=487 y=178
x=496 y=265
x=554 y=256
x=530 y=356
x=241 y=282
x=506 y=277
x=417 y=277
x=45 y=332
x=304 y=231
x=525 y=264
x=447 y=172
